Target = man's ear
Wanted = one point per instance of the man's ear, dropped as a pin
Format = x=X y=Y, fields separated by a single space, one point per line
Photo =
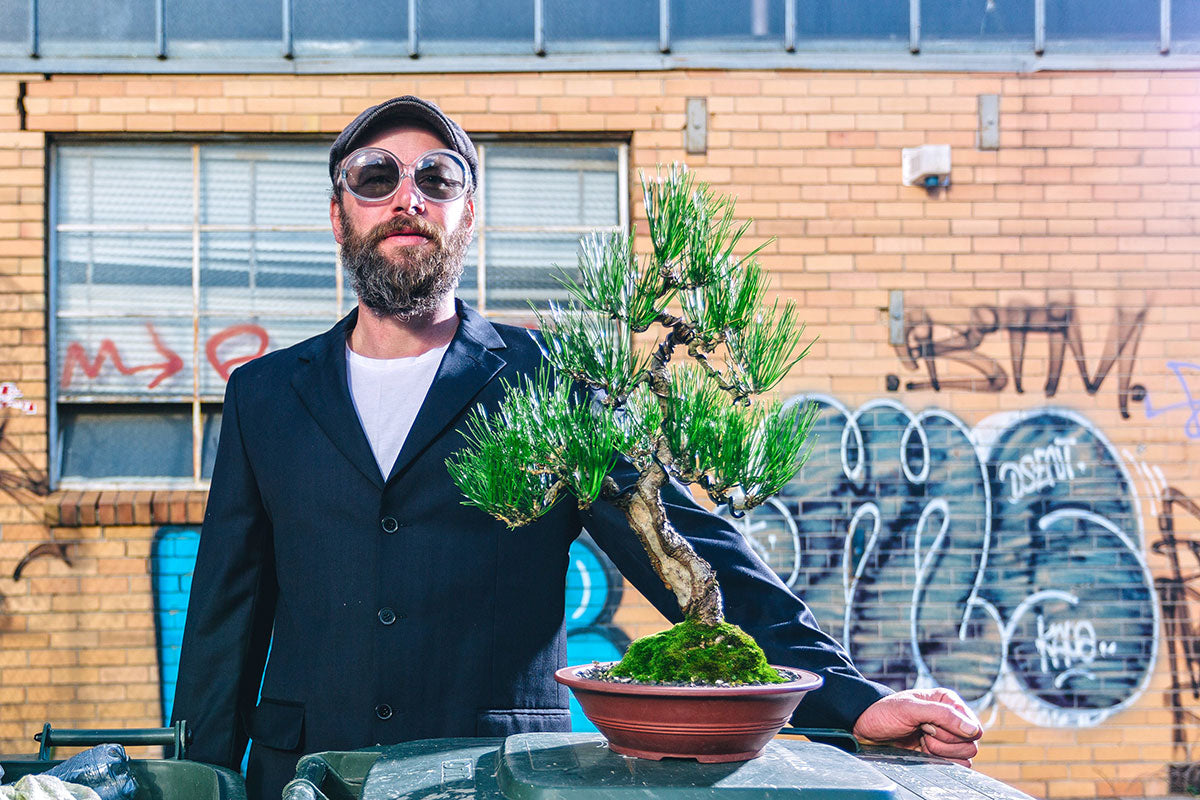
x=469 y=212
x=335 y=219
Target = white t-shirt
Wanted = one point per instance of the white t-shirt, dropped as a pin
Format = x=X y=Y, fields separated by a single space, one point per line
x=387 y=394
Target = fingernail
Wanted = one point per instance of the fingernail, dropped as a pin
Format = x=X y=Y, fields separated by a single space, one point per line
x=929 y=729
x=968 y=728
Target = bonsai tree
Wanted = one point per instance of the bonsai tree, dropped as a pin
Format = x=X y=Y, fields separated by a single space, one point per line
x=680 y=409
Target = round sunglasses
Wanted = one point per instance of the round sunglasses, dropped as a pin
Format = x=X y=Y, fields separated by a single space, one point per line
x=373 y=174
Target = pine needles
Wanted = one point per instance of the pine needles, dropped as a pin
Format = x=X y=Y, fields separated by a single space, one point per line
x=696 y=421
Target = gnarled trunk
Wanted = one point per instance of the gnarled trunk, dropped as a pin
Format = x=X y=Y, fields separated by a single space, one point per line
x=686 y=574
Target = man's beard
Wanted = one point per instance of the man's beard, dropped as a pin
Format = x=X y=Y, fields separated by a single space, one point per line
x=413 y=283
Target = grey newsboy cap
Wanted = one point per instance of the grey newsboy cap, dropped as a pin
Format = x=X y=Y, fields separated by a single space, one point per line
x=395 y=112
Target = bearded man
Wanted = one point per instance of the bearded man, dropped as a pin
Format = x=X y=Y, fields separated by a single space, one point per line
x=344 y=596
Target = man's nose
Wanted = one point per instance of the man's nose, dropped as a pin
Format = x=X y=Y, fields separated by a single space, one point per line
x=408 y=199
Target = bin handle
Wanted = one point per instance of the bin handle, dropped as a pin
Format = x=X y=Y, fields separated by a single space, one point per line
x=310 y=774
x=176 y=735
x=835 y=736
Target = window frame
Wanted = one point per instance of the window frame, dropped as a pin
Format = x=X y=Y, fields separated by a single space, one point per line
x=202 y=405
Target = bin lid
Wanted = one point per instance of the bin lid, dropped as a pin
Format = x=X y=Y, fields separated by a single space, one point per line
x=579 y=766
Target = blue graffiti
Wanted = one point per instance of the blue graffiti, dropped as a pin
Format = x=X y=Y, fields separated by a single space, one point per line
x=1005 y=561
x=172 y=561
x=1190 y=403
x=594 y=591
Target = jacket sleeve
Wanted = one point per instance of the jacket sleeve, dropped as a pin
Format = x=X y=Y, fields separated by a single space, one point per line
x=231 y=604
x=755 y=599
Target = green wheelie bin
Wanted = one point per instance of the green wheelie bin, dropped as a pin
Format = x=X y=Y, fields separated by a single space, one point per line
x=579 y=766
x=173 y=778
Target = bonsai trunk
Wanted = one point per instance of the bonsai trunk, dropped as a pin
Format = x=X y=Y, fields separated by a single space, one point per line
x=686 y=574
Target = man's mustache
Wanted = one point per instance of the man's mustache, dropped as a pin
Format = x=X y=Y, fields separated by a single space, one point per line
x=412 y=225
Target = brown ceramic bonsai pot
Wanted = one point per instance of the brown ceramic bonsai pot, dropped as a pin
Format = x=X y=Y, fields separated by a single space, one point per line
x=708 y=723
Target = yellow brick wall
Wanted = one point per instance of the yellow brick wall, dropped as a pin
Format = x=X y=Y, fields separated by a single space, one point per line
x=1091 y=202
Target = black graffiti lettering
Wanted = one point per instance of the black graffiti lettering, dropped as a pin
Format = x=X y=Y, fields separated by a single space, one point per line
x=1057 y=321
x=1179 y=591
x=26 y=484
x=960 y=346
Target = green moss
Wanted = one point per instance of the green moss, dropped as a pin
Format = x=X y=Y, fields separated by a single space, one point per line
x=692 y=652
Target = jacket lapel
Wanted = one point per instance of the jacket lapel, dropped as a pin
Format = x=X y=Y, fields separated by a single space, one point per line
x=466 y=368
x=321 y=383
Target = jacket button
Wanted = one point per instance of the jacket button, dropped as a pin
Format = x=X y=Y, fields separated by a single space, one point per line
x=389 y=524
x=383 y=711
x=387 y=616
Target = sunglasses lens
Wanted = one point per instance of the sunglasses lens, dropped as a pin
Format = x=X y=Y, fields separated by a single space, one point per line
x=440 y=176
x=372 y=174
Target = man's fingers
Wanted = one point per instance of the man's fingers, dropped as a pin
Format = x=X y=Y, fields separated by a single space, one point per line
x=949 y=722
x=957 y=734
x=959 y=750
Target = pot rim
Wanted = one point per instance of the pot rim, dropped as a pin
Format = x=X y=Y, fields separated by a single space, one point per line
x=569 y=676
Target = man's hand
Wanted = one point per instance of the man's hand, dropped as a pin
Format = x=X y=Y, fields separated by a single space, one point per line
x=934 y=721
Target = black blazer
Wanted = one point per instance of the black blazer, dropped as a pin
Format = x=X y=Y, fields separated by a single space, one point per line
x=397 y=612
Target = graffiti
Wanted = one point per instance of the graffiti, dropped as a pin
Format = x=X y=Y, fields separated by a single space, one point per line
x=1005 y=561
x=1180 y=591
x=223 y=368
x=77 y=356
x=1042 y=469
x=26 y=484
x=20 y=478
x=14 y=398
x=1190 y=403
x=1057 y=321
x=594 y=591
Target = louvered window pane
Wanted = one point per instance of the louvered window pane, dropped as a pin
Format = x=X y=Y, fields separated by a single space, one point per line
x=1107 y=20
x=124 y=358
x=95 y=27
x=551 y=186
x=343 y=27
x=521 y=268
x=852 y=19
x=14 y=29
x=125 y=185
x=745 y=20
x=216 y=20
x=621 y=21
x=538 y=202
x=264 y=186
x=977 y=19
x=127 y=442
x=475 y=26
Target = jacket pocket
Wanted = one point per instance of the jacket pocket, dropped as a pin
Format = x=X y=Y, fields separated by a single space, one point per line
x=277 y=723
x=506 y=721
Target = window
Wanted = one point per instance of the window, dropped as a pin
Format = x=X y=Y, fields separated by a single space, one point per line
x=390 y=36
x=175 y=262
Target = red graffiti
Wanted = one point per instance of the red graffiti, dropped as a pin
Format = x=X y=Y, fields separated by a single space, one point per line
x=223 y=368
x=107 y=351
x=76 y=355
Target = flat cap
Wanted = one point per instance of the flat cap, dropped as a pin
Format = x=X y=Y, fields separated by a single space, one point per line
x=398 y=111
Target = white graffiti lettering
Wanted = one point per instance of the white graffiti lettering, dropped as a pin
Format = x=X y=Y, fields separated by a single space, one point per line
x=1042 y=469
x=1064 y=644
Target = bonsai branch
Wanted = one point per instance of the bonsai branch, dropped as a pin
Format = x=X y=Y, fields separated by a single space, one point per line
x=689 y=577
x=699 y=346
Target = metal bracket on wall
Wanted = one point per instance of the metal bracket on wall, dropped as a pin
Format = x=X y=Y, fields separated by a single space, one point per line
x=896 y=317
x=989 y=122
x=695 y=131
